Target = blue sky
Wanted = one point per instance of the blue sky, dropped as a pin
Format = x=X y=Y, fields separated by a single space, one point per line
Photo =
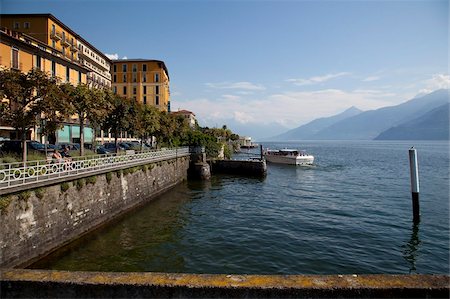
x=268 y=65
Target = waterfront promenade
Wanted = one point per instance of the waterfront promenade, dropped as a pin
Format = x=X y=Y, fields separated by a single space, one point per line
x=18 y=176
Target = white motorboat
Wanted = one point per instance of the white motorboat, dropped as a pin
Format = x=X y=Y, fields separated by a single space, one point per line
x=289 y=156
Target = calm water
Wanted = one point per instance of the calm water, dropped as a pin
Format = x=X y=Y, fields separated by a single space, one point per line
x=350 y=213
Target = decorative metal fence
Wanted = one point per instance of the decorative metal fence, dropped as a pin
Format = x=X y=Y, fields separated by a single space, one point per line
x=19 y=176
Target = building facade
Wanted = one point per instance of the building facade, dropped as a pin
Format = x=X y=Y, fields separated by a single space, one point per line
x=146 y=81
x=42 y=41
x=188 y=116
x=63 y=40
x=23 y=52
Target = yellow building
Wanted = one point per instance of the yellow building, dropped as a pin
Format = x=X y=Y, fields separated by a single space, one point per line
x=23 y=52
x=63 y=41
x=146 y=81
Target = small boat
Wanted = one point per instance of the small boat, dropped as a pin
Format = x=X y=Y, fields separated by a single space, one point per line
x=289 y=156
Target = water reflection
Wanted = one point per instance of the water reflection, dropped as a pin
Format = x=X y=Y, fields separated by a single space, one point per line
x=147 y=241
x=410 y=251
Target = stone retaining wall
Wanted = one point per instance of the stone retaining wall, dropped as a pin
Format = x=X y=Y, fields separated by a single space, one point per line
x=64 y=284
x=35 y=222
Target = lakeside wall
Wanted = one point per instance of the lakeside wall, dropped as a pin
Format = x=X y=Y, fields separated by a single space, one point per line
x=17 y=283
x=35 y=222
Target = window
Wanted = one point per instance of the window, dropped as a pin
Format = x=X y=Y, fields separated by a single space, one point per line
x=144 y=78
x=53 y=29
x=26 y=25
x=125 y=90
x=38 y=62
x=134 y=89
x=115 y=78
x=145 y=100
x=115 y=68
x=134 y=68
x=157 y=100
x=63 y=36
x=64 y=51
x=16 y=25
x=144 y=67
x=124 y=68
x=53 y=44
x=145 y=90
x=53 y=69
x=124 y=77
x=156 y=77
x=79 y=77
x=15 y=58
x=134 y=77
x=67 y=74
x=115 y=89
x=156 y=89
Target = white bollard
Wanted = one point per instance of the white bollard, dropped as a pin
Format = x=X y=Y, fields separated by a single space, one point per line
x=414 y=171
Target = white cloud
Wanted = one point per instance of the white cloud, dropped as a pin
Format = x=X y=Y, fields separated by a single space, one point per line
x=112 y=56
x=317 y=79
x=437 y=81
x=230 y=97
x=125 y=57
x=236 y=85
x=289 y=109
x=371 y=78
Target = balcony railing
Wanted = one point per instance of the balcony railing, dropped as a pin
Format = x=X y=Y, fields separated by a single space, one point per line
x=65 y=42
x=55 y=35
x=17 y=176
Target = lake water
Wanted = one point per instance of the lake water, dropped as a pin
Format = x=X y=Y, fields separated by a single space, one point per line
x=350 y=213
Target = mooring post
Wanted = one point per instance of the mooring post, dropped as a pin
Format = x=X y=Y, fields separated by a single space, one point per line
x=261 y=151
x=414 y=171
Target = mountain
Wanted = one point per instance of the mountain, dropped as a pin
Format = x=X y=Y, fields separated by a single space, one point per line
x=369 y=124
x=433 y=125
x=308 y=130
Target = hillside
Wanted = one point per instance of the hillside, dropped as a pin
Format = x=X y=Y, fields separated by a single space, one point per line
x=368 y=125
x=308 y=130
x=433 y=125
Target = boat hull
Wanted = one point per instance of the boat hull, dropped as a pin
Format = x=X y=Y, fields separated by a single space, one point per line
x=291 y=160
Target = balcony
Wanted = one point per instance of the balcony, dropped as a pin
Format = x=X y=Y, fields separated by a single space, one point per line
x=55 y=35
x=65 y=42
x=73 y=48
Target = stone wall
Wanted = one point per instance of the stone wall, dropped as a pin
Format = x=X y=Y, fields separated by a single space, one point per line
x=247 y=167
x=35 y=222
x=18 y=283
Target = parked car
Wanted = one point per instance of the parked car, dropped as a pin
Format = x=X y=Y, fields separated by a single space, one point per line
x=109 y=148
x=15 y=146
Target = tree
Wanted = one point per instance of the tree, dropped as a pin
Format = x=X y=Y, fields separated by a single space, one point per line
x=117 y=119
x=84 y=104
x=25 y=94
x=100 y=111
x=167 y=129
x=147 y=122
x=56 y=108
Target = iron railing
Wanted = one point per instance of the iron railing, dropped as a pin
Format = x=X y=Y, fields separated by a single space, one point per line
x=15 y=176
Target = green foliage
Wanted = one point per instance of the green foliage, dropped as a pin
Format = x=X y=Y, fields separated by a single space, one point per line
x=227 y=151
x=91 y=180
x=118 y=173
x=39 y=192
x=28 y=95
x=79 y=184
x=4 y=202
x=64 y=187
x=25 y=195
x=108 y=177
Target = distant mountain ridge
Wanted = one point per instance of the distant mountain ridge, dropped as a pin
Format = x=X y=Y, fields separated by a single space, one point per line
x=308 y=130
x=369 y=125
x=433 y=125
